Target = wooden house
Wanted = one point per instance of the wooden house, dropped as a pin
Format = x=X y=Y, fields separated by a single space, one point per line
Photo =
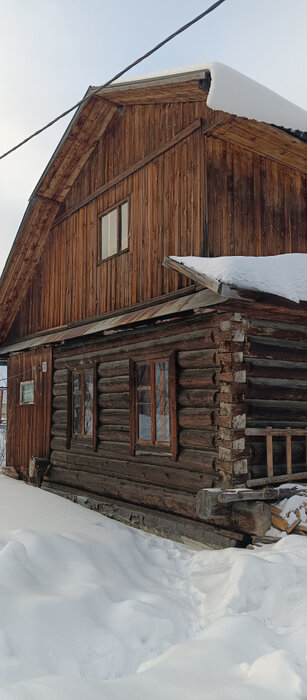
x=137 y=385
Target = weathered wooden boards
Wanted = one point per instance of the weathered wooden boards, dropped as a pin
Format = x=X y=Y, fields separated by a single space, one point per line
x=252 y=511
x=246 y=514
x=28 y=426
x=178 y=528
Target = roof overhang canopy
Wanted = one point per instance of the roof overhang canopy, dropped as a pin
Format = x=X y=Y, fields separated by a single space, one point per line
x=283 y=277
x=182 y=305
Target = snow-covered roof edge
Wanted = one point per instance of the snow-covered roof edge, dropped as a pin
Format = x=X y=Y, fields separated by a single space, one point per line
x=282 y=275
x=231 y=92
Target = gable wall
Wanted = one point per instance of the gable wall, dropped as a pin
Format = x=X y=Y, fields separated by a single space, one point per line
x=256 y=206
x=201 y=182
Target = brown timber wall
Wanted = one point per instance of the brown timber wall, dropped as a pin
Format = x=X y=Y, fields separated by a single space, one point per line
x=276 y=393
x=153 y=480
x=28 y=426
x=166 y=217
x=255 y=205
x=199 y=195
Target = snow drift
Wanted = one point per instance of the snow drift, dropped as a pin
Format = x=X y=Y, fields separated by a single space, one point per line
x=91 y=609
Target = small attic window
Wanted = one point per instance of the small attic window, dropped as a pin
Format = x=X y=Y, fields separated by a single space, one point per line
x=26 y=396
x=114 y=231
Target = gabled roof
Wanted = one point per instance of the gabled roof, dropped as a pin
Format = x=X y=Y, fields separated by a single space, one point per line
x=91 y=121
x=228 y=91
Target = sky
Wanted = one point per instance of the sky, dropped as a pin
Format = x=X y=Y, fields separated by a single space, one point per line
x=52 y=50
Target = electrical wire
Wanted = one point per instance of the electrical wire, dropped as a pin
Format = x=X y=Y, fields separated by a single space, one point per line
x=115 y=77
x=14 y=376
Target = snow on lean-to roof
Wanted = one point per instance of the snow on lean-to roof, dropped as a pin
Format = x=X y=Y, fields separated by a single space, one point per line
x=235 y=93
x=283 y=275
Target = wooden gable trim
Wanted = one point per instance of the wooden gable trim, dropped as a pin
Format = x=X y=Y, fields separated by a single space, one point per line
x=264 y=140
x=44 y=204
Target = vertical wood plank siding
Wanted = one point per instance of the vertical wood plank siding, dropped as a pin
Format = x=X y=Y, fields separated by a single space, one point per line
x=255 y=206
x=151 y=479
x=28 y=429
x=252 y=206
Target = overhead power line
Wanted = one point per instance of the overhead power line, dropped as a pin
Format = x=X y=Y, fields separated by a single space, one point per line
x=115 y=77
x=14 y=376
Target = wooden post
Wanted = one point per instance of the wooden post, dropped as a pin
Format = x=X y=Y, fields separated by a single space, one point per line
x=269 y=453
x=289 y=452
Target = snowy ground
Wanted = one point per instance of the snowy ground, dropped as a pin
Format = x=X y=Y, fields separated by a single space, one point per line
x=92 y=610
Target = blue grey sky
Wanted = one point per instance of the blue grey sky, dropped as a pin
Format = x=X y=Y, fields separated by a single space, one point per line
x=52 y=50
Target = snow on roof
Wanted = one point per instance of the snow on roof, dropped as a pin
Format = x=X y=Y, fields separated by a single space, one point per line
x=235 y=93
x=283 y=275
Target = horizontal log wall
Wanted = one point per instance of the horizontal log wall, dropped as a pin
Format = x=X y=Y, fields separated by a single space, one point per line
x=276 y=394
x=151 y=479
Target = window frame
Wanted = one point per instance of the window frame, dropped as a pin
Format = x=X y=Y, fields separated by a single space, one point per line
x=71 y=435
x=138 y=446
x=115 y=207
x=22 y=384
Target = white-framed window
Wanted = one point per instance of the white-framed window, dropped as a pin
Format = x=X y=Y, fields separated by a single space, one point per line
x=114 y=231
x=26 y=396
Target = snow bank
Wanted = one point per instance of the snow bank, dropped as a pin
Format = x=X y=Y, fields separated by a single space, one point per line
x=283 y=275
x=90 y=609
x=235 y=93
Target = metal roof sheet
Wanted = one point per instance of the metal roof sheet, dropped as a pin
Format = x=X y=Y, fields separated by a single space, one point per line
x=186 y=303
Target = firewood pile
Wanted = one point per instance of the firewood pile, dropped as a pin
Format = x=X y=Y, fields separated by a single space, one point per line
x=290 y=514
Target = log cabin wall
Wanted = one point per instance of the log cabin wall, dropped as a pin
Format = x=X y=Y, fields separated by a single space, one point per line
x=149 y=479
x=276 y=390
x=197 y=195
x=28 y=426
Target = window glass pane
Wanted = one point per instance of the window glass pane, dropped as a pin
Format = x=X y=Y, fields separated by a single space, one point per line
x=89 y=382
x=124 y=215
x=77 y=414
x=162 y=402
x=27 y=392
x=88 y=415
x=143 y=375
x=108 y=234
x=144 y=415
x=76 y=382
